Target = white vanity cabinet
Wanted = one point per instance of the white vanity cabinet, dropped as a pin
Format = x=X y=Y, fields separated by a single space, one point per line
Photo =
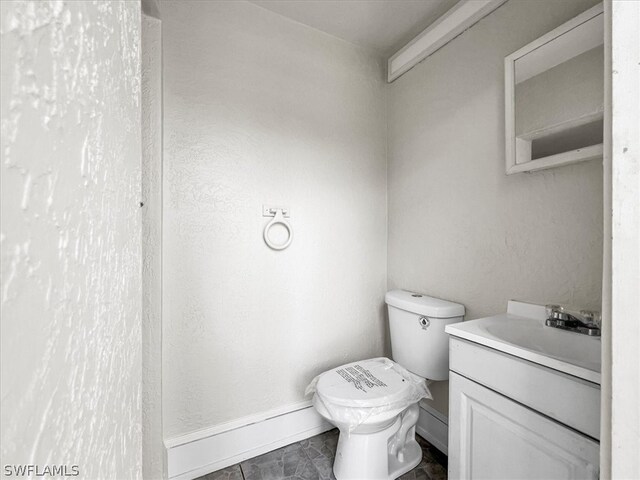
x=509 y=418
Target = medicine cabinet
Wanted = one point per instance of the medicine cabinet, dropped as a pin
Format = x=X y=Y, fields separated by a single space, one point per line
x=554 y=96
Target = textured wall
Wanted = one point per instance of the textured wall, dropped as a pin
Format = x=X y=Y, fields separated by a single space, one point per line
x=620 y=451
x=153 y=451
x=71 y=288
x=263 y=110
x=459 y=228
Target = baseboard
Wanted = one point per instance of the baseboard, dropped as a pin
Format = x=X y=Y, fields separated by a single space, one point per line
x=433 y=427
x=199 y=453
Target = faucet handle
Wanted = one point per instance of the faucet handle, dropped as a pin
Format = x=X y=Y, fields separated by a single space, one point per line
x=592 y=317
x=552 y=308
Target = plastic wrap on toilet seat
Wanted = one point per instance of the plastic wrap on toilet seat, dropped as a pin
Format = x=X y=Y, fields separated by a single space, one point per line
x=353 y=393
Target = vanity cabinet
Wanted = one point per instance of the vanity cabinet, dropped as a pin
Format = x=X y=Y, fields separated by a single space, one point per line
x=508 y=418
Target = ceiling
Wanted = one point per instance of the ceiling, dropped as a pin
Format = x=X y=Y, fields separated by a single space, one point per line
x=381 y=25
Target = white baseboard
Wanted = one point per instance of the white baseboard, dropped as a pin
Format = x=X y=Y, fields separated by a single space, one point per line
x=199 y=453
x=433 y=427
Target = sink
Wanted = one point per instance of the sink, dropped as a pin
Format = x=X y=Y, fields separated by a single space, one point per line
x=521 y=332
x=524 y=398
x=567 y=346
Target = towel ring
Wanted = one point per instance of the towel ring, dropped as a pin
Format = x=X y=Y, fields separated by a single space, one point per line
x=278 y=219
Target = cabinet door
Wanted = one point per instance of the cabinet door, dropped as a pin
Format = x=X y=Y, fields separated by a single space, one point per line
x=493 y=437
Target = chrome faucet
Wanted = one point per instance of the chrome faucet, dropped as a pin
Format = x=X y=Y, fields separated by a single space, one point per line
x=587 y=323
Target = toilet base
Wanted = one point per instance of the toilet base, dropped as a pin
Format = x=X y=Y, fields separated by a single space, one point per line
x=384 y=455
x=412 y=458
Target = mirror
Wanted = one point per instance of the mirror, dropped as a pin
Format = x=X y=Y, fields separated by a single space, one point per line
x=555 y=96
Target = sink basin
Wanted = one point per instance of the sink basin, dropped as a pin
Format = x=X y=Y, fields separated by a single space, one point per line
x=522 y=332
x=568 y=346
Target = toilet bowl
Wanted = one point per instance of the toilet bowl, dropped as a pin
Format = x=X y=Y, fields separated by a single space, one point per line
x=374 y=405
x=374 y=402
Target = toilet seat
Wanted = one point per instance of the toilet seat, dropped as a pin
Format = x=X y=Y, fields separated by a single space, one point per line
x=374 y=404
x=372 y=383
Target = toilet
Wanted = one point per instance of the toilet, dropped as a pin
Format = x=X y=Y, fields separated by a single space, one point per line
x=374 y=402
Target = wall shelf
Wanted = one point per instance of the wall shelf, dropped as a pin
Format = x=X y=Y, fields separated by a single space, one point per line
x=565 y=143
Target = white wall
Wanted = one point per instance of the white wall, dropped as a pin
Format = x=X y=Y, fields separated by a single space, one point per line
x=622 y=359
x=153 y=451
x=71 y=289
x=459 y=228
x=262 y=110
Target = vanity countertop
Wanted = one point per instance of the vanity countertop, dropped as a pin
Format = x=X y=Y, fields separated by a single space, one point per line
x=521 y=332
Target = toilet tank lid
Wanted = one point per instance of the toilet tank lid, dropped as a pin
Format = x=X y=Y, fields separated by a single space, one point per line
x=423 y=304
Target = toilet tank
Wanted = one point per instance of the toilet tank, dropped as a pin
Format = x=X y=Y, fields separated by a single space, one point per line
x=418 y=340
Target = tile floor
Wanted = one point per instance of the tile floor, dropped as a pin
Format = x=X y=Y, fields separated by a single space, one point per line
x=312 y=459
